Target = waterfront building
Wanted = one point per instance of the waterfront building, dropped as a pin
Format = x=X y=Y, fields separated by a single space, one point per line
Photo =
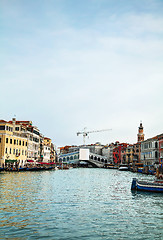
x=32 y=133
x=160 y=139
x=106 y=152
x=46 y=149
x=13 y=145
x=129 y=154
x=150 y=151
x=21 y=142
x=52 y=153
x=119 y=153
x=137 y=152
x=111 y=146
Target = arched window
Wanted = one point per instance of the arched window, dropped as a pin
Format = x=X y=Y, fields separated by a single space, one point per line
x=156 y=145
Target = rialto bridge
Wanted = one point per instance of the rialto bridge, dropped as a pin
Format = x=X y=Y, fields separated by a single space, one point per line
x=83 y=155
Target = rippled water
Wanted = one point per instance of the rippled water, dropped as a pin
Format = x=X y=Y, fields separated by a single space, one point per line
x=77 y=204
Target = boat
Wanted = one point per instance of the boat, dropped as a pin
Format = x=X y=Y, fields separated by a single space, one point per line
x=123 y=167
x=111 y=166
x=140 y=169
x=147 y=186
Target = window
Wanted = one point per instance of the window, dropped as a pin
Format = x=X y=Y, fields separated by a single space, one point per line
x=25 y=153
x=0 y=139
x=10 y=141
x=6 y=127
x=2 y=127
x=20 y=142
x=10 y=150
x=14 y=151
x=6 y=150
x=6 y=140
x=22 y=152
x=14 y=141
x=17 y=129
x=9 y=128
x=26 y=143
x=17 y=142
x=23 y=143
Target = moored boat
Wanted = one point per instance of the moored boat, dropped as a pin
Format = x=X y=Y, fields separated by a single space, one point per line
x=111 y=166
x=147 y=186
x=123 y=167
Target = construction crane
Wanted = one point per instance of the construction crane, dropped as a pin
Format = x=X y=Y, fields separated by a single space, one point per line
x=86 y=133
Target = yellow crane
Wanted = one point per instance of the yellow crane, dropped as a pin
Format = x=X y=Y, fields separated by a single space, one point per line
x=86 y=133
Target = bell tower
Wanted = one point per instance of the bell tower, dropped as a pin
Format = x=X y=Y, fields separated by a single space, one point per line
x=140 y=133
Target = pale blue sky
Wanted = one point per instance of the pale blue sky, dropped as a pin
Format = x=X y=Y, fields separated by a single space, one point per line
x=70 y=64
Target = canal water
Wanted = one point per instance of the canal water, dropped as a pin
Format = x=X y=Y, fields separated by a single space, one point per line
x=77 y=204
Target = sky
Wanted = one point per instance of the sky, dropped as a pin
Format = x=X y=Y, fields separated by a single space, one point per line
x=71 y=64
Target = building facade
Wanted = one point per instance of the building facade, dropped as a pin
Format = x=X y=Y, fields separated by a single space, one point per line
x=13 y=146
x=160 y=139
x=21 y=142
x=150 y=151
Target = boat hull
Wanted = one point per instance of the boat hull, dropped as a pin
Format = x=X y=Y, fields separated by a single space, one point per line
x=147 y=186
x=123 y=168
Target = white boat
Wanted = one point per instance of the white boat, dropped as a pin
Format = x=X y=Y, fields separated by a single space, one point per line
x=123 y=167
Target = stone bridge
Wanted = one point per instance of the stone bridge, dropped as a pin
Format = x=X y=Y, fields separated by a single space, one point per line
x=84 y=155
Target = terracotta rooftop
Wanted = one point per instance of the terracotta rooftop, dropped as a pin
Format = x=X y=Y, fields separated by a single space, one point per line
x=3 y=121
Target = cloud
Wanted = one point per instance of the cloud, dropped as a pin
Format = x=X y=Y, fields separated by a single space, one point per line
x=103 y=74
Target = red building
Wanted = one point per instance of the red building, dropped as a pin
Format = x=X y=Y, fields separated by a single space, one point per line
x=160 y=138
x=119 y=153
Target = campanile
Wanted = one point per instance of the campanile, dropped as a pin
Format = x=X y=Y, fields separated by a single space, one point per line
x=140 y=133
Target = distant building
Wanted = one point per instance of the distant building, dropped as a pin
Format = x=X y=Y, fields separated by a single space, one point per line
x=160 y=139
x=106 y=152
x=150 y=151
x=137 y=152
x=119 y=153
x=129 y=153
x=140 y=136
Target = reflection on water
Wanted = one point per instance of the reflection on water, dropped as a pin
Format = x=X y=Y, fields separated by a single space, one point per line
x=78 y=203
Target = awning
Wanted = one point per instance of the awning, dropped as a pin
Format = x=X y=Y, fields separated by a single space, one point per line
x=10 y=160
x=46 y=163
x=30 y=161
